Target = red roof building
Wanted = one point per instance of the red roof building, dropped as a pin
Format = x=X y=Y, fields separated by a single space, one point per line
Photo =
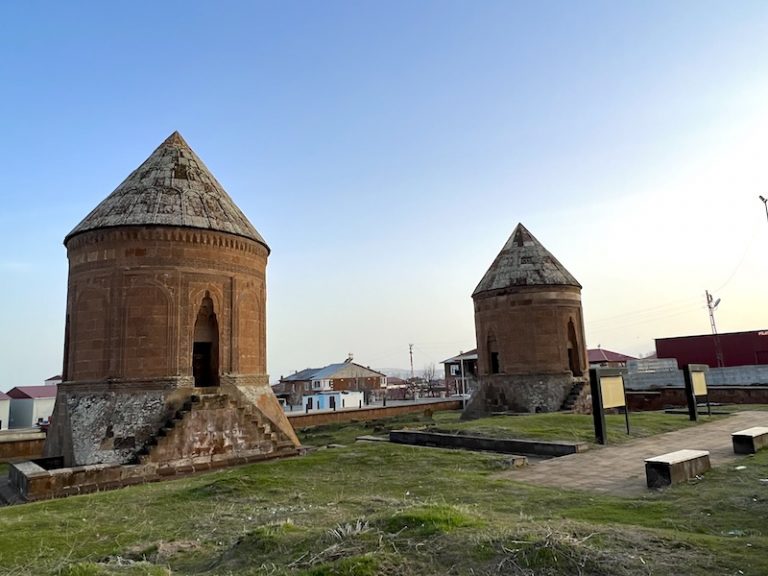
x=30 y=405
x=30 y=392
x=603 y=357
x=736 y=348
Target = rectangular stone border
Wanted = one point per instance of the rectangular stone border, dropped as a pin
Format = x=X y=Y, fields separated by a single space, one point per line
x=33 y=482
x=502 y=445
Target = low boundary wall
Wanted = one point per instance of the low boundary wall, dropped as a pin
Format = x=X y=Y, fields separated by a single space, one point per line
x=675 y=397
x=302 y=420
x=21 y=446
x=503 y=445
x=42 y=479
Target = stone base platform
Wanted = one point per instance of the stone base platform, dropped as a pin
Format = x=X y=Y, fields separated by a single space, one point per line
x=31 y=480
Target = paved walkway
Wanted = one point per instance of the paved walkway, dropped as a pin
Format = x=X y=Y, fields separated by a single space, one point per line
x=620 y=470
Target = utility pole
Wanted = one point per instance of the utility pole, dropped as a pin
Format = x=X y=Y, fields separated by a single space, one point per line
x=410 y=352
x=765 y=203
x=463 y=382
x=711 y=308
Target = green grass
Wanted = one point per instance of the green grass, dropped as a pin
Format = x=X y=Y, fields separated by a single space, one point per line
x=379 y=509
x=552 y=426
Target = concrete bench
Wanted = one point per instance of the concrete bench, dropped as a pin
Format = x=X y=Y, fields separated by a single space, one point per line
x=750 y=440
x=675 y=467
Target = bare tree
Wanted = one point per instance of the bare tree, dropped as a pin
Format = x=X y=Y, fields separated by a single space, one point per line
x=429 y=373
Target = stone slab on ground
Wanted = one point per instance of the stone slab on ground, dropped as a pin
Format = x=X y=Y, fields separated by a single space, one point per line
x=372 y=439
x=750 y=440
x=675 y=467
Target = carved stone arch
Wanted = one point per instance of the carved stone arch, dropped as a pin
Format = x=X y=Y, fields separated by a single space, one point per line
x=148 y=329
x=205 y=344
x=89 y=333
x=251 y=346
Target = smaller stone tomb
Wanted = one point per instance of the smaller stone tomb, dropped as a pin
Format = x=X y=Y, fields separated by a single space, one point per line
x=750 y=440
x=675 y=467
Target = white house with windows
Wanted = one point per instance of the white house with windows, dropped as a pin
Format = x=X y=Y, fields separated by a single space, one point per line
x=343 y=376
x=331 y=400
x=31 y=405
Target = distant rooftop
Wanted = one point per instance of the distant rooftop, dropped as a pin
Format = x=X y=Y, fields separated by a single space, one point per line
x=597 y=355
x=346 y=369
x=27 y=392
x=468 y=355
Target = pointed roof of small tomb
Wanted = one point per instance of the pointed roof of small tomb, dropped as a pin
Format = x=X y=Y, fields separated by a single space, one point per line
x=171 y=188
x=524 y=262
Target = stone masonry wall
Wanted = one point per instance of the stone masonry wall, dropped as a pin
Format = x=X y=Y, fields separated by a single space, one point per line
x=510 y=393
x=108 y=423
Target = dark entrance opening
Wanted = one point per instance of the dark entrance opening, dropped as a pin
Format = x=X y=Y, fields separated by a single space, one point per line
x=494 y=366
x=201 y=364
x=574 y=358
x=205 y=347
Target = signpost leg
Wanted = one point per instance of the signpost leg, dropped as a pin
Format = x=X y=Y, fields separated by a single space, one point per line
x=693 y=413
x=598 y=415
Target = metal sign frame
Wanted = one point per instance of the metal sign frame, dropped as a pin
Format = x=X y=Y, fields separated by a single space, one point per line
x=695 y=376
x=604 y=383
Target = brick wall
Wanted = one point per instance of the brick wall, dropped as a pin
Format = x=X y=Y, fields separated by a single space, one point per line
x=134 y=294
x=531 y=329
x=675 y=397
x=22 y=447
x=371 y=413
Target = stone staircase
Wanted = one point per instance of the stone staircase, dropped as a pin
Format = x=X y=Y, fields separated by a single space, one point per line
x=578 y=399
x=213 y=429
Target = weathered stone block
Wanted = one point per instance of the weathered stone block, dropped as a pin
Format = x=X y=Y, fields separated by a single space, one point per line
x=675 y=467
x=750 y=440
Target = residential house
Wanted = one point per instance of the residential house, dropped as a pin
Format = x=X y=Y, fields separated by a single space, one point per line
x=461 y=372
x=292 y=388
x=345 y=375
x=30 y=405
x=397 y=388
x=331 y=400
x=606 y=358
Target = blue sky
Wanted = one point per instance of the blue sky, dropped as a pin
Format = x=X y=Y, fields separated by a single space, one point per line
x=386 y=150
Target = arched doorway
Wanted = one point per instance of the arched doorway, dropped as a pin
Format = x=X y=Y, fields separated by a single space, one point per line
x=574 y=358
x=205 y=346
x=494 y=366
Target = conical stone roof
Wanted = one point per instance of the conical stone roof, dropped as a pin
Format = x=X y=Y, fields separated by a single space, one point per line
x=524 y=262
x=171 y=188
